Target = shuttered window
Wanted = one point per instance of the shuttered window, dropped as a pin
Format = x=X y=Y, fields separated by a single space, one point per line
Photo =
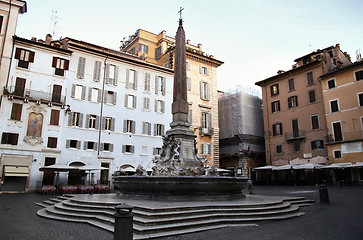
x=97 y=71
x=131 y=79
x=52 y=142
x=81 y=67
x=60 y=65
x=312 y=97
x=315 y=122
x=204 y=91
x=146 y=128
x=54 y=117
x=129 y=126
x=160 y=85
x=24 y=57
x=147 y=86
x=16 y=111
x=310 y=78
x=146 y=104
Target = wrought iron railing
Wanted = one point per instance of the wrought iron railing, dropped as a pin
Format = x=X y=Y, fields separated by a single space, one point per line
x=295 y=135
x=34 y=95
x=345 y=137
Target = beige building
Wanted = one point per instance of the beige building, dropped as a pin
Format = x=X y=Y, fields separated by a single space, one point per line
x=9 y=11
x=343 y=102
x=201 y=84
x=293 y=107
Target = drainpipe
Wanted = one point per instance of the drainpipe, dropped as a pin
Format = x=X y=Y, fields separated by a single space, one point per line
x=101 y=111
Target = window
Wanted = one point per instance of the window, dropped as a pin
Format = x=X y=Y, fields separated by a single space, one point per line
x=312 y=97
x=131 y=79
x=274 y=90
x=204 y=70
x=129 y=126
x=147 y=85
x=110 y=97
x=337 y=131
x=111 y=74
x=292 y=101
x=331 y=84
x=72 y=143
x=89 y=145
x=159 y=129
x=75 y=119
x=57 y=93
x=190 y=115
x=295 y=128
x=159 y=106
x=206 y=148
x=92 y=121
x=54 y=117
x=52 y=142
x=189 y=84
x=337 y=153
x=60 y=65
x=94 y=95
x=315 y=124
x=78 y=92
x=297 y=146
x=156 y=151
x=206 y=123
x=291 y=84
x=158 y=53
x=360 y=99
x=277 y=129
x=16 y=111
x=146 y=104
x=1 y=23
x=19 y=87
x=334 y=106
x=359 y=75
x=81 y=67
x=97 y=71
x=130 y=101
x=310 y=78
x=279 y=149
x=107 y=147
x=128 y=148
x=275 y=106
x=204 y=91
x=187 y=65
x=146 y=128
x=143 y=48
x=9 y=138
x=24 y=57
x=160 y=85
x=317 y=144
x=108 y=123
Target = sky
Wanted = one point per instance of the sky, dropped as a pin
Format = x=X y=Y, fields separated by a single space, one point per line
x=254 y=38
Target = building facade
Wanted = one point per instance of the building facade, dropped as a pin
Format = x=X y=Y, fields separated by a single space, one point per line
x=343 y=101
x=241 y=142
x=293 y=107
x=78 y=104
x=201 y=81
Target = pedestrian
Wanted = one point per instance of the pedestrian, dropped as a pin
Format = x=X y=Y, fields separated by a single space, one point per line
x=250 y=186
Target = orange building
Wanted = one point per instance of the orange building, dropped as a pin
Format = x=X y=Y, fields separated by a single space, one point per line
x=293 y=107
x=201 y=84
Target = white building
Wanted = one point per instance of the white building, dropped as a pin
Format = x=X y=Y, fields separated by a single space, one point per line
x=61 y=106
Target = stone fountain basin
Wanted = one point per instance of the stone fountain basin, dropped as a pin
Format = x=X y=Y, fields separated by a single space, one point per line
x=180 y=187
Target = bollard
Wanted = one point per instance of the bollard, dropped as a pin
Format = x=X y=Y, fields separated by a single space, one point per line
x=323 y=192
x=123 y=222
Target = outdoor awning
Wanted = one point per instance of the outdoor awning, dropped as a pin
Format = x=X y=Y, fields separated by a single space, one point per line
x=297 y=161
x=284 y=167
x=91 y=168
x=221 y=170
x=308 y=166
x=16 y=171
x=337 y=166
x=318 y=159
x=357 y=164
x=58 y=168
x=268 y=167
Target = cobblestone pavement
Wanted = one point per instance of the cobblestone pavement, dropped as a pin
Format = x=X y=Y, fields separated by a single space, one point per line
x=341 y=219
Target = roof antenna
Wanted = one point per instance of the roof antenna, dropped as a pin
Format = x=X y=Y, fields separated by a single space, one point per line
x=53 y=22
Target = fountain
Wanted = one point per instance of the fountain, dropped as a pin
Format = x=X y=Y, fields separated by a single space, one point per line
x=179 y=172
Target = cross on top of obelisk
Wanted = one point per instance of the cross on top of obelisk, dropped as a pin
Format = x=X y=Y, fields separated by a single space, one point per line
x=180 y=19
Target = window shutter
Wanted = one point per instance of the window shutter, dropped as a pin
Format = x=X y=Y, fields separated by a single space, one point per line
x=103 y=124
x=31 y=56
x=154 y=151
x=126 y=100
x=83 y=92
x=68 y=143
x=200 y=69
x=116 y=76
x=156 y=85
x=143 y=128
x=162 y=129
x=190 y=116
x=203 y=120
x=135 y=80
x=208 y=92
x=123 y=148
x=207 y=71
x=102 y=146
x=209 y=120
x=87 y=121
x=162 y=106
x=73 y=90
x=111 y=147
x=148 y=128
x=201 y=90
x=70 y=116
x=147 y=82
x=113 y=124
x=155 y=129
x=107 y=73
x=97 y=122
x=114 y=98
x=189 y=84
x=89 y=94
x=80 y=122
x=209 y=149
x=97 y=71
x=164 y=85
x=99 y=95
x=81 y=67
x=66 y=64
x=125 y=125
x=17 y=53
x=156 y=106
x=132 y=149
x=95 y=146
x=133 y=126
x=134 y=102
x=85 y=145
x=54 y=62
x=127 y=78
x=78 y=144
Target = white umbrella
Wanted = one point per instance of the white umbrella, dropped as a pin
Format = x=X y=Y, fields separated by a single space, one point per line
x=298 y=161
x=357 y=164
x=284 y=167
x=90 y=168
x=58 y=168
x=223 y=170
x=308 y=166
x=319 y=159
x=337 y=165
x=268 y=167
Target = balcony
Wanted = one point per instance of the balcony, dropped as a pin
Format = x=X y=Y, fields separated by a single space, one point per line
x=296 y=135
x=205 y=131
x=345 y=137
x=35 y=96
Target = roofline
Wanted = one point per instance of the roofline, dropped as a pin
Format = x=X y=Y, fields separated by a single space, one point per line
x=343 y=69
x=16 y=38
x=262 y=82
x=312 y=53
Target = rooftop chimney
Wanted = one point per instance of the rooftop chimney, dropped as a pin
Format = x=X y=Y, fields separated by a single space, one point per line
x=48 y=39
